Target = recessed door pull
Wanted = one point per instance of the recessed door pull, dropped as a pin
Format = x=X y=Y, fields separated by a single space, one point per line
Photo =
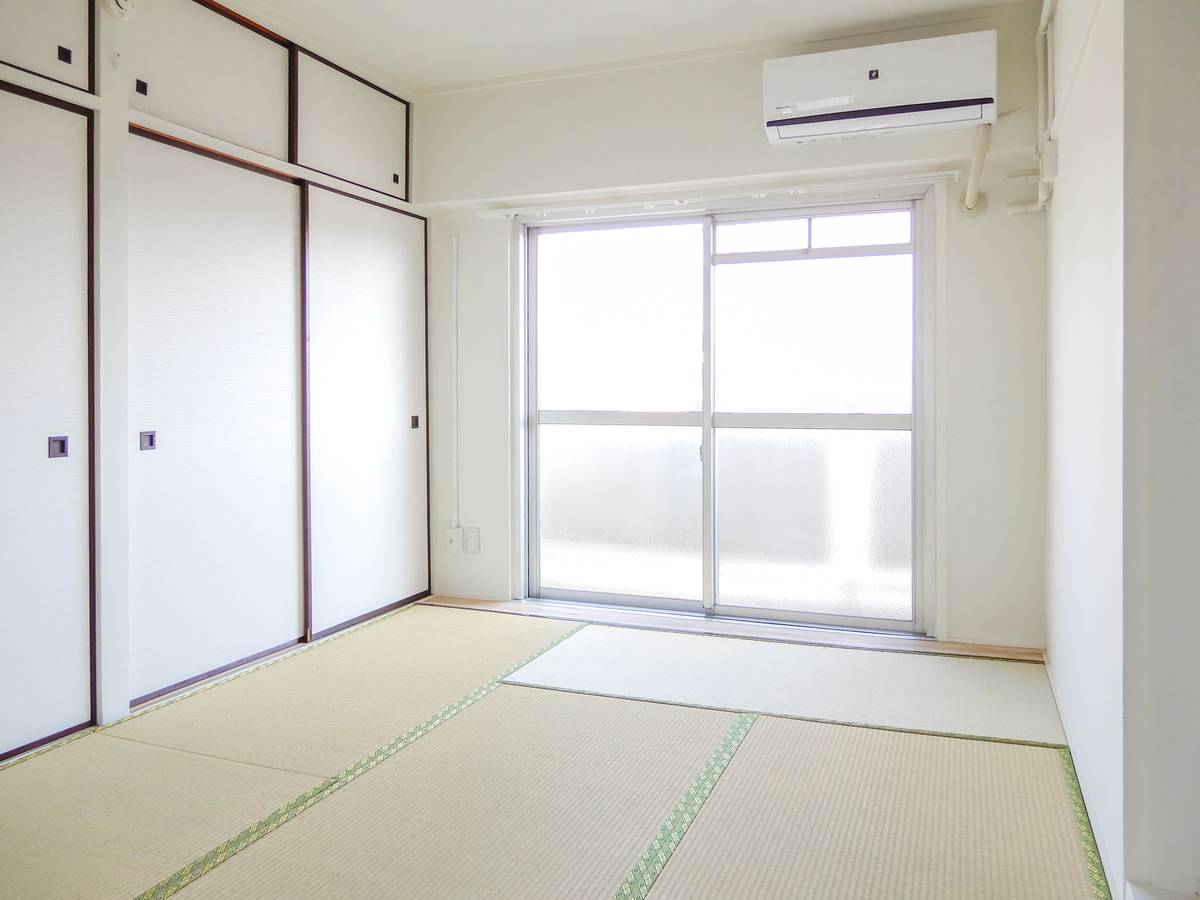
x=147 y=440
x=57 y=446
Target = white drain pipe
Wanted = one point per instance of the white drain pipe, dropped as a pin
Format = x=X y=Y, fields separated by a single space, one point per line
x=974 y=201
x=1047 y=162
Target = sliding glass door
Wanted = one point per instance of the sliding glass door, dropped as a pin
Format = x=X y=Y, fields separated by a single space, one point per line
x=616 y=345
x=722 y=414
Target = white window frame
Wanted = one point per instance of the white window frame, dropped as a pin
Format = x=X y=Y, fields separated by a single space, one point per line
x=920 y=423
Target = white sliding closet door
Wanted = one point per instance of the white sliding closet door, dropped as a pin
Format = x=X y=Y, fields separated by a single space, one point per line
x=366 y=380
x=45 y=654
x=215 y=508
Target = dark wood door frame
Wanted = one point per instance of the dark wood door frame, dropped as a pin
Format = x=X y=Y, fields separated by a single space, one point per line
x=305 y=187
x=89 y=116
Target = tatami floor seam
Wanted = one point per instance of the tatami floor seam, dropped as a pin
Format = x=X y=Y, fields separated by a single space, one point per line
x=216 y=756
x=202 y=865
x=777 y=715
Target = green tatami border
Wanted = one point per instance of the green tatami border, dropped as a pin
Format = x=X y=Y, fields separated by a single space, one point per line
x=647 y=869
x=268 y=823
x=1083 y=825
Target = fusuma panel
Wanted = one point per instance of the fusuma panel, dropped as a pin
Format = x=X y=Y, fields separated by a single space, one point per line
x=45 y=660
x=366 y=309
x=215 y=507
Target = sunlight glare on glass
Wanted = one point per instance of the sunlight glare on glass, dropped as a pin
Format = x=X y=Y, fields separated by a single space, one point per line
x=619 y=318
x=815 y=336
x=769 y=234
x=862 y=229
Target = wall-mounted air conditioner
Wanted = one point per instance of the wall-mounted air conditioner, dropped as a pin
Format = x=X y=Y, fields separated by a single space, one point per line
x=926 y=85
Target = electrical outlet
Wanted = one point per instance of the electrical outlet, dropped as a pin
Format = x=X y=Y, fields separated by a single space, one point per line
x=452 y=539
x=472 y=540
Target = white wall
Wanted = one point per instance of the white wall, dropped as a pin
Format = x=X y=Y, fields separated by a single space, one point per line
x=1162 y=444
x=1084 y=536
x=606 y=133
x=689 y=120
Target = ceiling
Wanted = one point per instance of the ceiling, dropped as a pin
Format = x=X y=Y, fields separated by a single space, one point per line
x=435 y=43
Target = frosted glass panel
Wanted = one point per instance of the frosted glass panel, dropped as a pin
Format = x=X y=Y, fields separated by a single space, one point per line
x=862 y=229
x=620 y=509
x=815 y=335
x=815 y=521
x=770 y=234
x=619 y=318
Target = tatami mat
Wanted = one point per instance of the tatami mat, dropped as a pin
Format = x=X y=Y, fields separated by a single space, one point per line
x=319 y=710
x=527 y=794
x=807 y=809
x=100 y=817
x=912 y=691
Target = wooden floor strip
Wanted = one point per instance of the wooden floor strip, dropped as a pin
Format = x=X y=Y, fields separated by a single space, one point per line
x=718 y=626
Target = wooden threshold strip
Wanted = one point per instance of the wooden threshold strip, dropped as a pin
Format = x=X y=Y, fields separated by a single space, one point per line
x=717 y=626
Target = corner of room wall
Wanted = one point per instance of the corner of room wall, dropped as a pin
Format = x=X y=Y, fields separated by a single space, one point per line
x=1085 y=408
x=1162 y=445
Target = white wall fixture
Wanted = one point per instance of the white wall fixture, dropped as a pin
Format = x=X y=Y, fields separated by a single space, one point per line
x=45 y=642
x=932 y=84
x=195 y=67
x=122 y=9
x=366 y=381
x=214 y=368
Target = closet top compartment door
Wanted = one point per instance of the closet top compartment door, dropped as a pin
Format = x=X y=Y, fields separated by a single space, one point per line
x=198 y=68
x=47 y=37
x=351 y=129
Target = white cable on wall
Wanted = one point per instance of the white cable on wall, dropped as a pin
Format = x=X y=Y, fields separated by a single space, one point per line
x=454 y=381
